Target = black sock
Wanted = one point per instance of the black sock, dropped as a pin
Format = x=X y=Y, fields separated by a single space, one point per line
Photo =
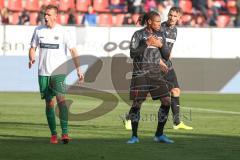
x=134 y=128
x=162 y=119
x=175 y=106
x=134 y=116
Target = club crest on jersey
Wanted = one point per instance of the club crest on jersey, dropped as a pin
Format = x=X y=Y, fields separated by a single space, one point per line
x=133 y=40
x=160 y=38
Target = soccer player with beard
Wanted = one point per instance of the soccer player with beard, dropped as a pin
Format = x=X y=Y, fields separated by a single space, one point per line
x=170 y=31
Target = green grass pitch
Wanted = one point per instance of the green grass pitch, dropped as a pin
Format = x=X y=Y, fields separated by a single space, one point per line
x=24 y=134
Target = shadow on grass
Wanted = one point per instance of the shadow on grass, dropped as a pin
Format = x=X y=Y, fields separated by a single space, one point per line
x=81 y=126
x=187 y=146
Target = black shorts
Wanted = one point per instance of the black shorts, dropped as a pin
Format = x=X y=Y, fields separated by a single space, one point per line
x=142 y=85
x=171 y=79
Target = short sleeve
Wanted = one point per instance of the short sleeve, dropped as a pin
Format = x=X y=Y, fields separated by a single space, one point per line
x=34 y=41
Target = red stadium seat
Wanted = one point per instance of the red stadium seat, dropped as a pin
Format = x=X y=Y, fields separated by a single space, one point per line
x=118 y=20
x=14 y=17
x=2 y=4
x=47 y=2
x=32 y=5
x=105 y=19
x=15 y=5
x=232 y=6
x=64 y=5
x=223 y=21
x=63 y=18
x=135 y=17
x=33 y=18
x=115 y=2
x=186 y=6
x=79 y=18
x=82 y=5
x=186 y=18
x=101 y=5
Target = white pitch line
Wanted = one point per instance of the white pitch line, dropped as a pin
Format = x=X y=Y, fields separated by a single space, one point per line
x=212 y=110
x=207 y=110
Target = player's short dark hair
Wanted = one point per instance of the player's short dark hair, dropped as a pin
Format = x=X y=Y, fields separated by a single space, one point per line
x=176 y=9
x=142 y=19
x=50 y=6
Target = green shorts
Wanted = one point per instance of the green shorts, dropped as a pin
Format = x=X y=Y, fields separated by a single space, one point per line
x=51 y=86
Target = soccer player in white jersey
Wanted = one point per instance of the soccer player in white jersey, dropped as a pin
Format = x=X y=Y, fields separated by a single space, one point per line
x=53 y=41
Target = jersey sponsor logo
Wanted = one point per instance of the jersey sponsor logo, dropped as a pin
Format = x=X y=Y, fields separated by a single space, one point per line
x=49 y=46
x=160 y=38
x=170 y=40
x=56 y=37
x=151 y=47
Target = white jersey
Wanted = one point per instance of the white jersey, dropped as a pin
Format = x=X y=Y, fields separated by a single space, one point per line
x=53 y=44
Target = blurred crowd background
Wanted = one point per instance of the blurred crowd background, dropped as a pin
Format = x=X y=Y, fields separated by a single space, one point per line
x=196 y=13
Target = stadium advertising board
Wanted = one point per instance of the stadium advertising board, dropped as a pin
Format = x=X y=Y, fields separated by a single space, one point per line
x=91 y=40
x=108 y=41
x=193 y=43
x=1 y=40
x=225 y=43
x=17 y=40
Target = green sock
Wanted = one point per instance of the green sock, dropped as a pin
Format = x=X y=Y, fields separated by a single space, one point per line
x=50 y=113
x=63 y=115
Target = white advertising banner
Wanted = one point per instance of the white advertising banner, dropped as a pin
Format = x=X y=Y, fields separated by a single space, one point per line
x=91 y=40
x=225 y=42
x=1 y=40
x=17 y=40
x=108 y=41
x=119 y=41
x=192 y=43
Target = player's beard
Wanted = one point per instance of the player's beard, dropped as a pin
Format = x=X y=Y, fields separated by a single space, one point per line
x=172 y=23
x=156 y=29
